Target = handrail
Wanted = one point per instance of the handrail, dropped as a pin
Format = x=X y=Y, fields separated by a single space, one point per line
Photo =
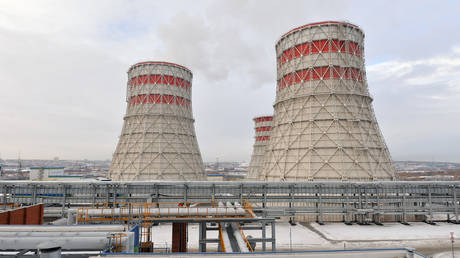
x=221 y=237
x=245 y=239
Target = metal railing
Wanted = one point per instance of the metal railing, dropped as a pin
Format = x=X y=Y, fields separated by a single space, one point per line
x=353 y=201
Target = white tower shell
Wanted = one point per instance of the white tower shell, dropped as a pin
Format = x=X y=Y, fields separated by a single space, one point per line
x=158 y=139
x=262 y=127
x=324 y=127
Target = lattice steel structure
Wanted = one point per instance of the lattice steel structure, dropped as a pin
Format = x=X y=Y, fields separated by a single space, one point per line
x=324 y=127
x=263 y=125
x=158 y=139
x=321 y=201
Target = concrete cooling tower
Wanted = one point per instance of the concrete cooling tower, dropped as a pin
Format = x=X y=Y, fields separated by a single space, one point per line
x=158 y=139
x=324 y=127
x=263 y=125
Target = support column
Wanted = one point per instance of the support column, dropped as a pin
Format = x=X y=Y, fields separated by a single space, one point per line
x=202 y=237
x=431 y=205
x=34 y=195
x=264 y=237
x=378 y=217
x=347 y=206
x=404 y=215
x=179 y=238
x=454 y=189
x=5 y=196
x=64 y=200
x=273 y=237
x=185 y=193
x=291 y=203
x=320 y=205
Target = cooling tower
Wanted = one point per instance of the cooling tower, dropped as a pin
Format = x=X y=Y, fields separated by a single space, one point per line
x=324 y=127
x=158 y=139
x=263 y=125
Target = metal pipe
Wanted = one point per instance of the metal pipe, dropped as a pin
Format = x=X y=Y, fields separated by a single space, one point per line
x=68 y=243
x=55 y=234
x=50 y=228
x=226 y=239
x=68 y=240
x=59 y=222
x=160 y=212
x=239 y=238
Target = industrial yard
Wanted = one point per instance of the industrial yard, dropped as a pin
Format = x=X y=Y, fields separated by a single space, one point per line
x=304 y=135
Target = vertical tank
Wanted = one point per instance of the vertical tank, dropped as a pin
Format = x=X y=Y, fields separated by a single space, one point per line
x=158 y=139
x=324 y=127
x=262 y=126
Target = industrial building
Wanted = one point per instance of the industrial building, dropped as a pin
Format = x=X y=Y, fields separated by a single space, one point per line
x=46 y=173
x=158 y=139
x=324 y=126
x=262 y=127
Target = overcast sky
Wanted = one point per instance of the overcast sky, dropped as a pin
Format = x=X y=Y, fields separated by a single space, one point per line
x=63 y=70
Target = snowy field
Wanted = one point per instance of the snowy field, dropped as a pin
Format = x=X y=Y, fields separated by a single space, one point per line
x=302 y=237
x=420 y=236
x=447 y=255
x=416 y=235
x=389 y=231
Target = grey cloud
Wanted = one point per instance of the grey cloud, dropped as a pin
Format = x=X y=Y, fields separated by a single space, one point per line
x=77 y=54
x=419 y=105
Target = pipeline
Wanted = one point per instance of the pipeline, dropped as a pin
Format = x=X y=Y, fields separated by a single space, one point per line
x=59 y=222
x=227 y=246
x=74 y=241
x=88 y=213
x=73 y=228
x=66 y=243
x=239 y=237
x=56 y=234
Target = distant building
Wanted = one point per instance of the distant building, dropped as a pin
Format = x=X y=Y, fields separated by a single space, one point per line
x=50 y=173
x=215 y=177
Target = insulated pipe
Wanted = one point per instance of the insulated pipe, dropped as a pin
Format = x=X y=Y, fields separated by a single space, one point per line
x=160 y=212
x=239 y=238
x=50 y=228
x=68 y=243
x=59 y=222
x=50 y=249
x=226 y=240
x=55 y=234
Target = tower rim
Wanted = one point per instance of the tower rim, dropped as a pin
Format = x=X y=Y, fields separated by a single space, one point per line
x=262 y=116
x=159 y=62
x=316 y=24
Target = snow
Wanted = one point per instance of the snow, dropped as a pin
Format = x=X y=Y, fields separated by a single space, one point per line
x=388 y=232
x=334 y=236
x=447 y=255
x=417 y=235
x=162 y=236
x=301 y=237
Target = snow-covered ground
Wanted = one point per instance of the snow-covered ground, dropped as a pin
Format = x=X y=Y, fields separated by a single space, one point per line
x=335 y=236
x=447 y=255
x=162 y=236
x=416 y=235
x=389 y=231
x=302 y=237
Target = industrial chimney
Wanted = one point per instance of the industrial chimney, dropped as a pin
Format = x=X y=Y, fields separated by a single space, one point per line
x=324 y=127
x=263 y=125
x=158 y=139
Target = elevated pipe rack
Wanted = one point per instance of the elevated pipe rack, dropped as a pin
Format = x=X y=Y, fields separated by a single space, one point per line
x=355 y=201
